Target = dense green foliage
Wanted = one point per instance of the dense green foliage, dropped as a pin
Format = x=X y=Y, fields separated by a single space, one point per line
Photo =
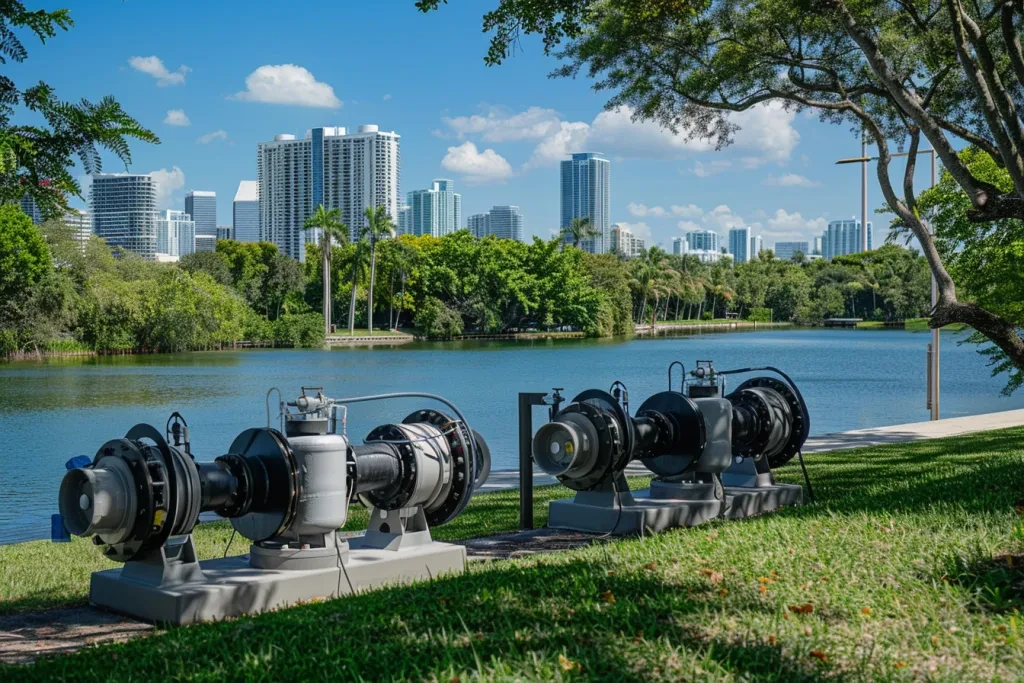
x=985 y=259
x=444 y=287
x=457 y=284
x=58 y=295
x=907 y=567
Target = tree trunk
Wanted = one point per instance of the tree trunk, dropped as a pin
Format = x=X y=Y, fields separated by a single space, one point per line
x=369 y=296
x=398 y=320
x=352 y=303
x=327 y=294
x=391 y=303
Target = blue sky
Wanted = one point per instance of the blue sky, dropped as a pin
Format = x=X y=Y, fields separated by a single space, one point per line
x=236 y=73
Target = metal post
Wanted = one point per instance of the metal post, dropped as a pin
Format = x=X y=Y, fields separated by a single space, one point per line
x=863 y=194
x=934 y=396
x=526 y=402
x=928 y=378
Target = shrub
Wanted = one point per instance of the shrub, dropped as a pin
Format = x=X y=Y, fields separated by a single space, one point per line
x=760 y=315
x=435 y=320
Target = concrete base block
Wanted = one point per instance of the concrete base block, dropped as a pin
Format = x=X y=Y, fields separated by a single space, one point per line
x=642 y=515
x=232 y=587
x=749 y=501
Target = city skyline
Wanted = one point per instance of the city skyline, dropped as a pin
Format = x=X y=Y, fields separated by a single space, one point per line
x=499 y=135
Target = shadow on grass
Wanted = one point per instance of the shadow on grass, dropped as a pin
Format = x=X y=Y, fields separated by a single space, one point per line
x=553 y=619
x=991 y=584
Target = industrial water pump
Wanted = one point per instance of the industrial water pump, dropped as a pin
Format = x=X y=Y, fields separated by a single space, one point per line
x=286 y=490
x=711 y=452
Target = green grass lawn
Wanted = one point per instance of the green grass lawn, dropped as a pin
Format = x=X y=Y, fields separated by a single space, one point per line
x=907 y=568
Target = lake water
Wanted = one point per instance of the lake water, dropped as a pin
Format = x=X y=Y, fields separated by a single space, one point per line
x=52 y=411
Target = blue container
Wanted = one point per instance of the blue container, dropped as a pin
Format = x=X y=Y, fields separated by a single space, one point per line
x=78 y=461
x=58 y=532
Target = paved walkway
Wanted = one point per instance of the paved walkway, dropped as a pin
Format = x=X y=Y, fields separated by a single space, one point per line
x=858 y=438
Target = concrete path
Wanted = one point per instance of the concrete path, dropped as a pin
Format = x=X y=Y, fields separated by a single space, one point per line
x=858 y=438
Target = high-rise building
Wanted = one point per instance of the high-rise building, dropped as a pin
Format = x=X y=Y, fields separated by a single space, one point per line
x=478 y=224
x=625 y=242
x=175 y=234
x=435 y=211
x=80 y=223
x=245 y=212
x=739 y=244
x=817 y=246
x=679 y=246
x=206 y=243
x=504 y=222
x=202 y=206
x=123 y=209
x=225 y=232
x=31 y=209
x=404 y=219
x=756 y=246
x=586 y=193
x=786 y=250
x=702 y=240
x=347 y=171
x=843 y=237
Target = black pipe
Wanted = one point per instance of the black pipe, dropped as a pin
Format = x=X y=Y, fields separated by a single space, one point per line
x=377 y=467
x=219 y=486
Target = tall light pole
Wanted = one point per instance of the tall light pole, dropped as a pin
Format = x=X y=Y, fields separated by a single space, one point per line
x=933 y=351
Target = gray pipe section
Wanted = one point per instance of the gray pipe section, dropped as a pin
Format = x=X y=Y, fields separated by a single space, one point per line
x=415 y=394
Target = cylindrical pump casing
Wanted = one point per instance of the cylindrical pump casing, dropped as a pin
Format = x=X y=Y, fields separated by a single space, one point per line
x=322 y=504
x=433 y=463
x=717 y=455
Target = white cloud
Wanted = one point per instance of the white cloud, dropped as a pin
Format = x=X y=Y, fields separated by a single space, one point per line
x=177 y=117
x=387 y=96
x=688 y=226
x=643 y=210
x=641 y=230
x=476 y=167
x=167 y=183
x=154 y=66
x=714 y=167
x=784 y=225
x=688 y=211
x=570 y=138
x=790 y=180
x=211 y=136
x=287 y=84
x=497 y=124
x=765 y=134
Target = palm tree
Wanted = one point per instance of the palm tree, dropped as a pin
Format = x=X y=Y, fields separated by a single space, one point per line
x=580 y=229
x=331 y=230
x=378 y=225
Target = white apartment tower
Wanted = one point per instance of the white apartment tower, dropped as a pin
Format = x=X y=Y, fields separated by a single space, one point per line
x=435 y=211
x=347 y=171
x=175 y=234
x=245 y=218
x=123 y=209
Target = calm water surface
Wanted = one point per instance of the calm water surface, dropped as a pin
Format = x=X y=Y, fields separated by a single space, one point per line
x=51 y=411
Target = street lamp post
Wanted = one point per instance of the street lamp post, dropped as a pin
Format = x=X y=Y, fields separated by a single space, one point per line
x=933 y=356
